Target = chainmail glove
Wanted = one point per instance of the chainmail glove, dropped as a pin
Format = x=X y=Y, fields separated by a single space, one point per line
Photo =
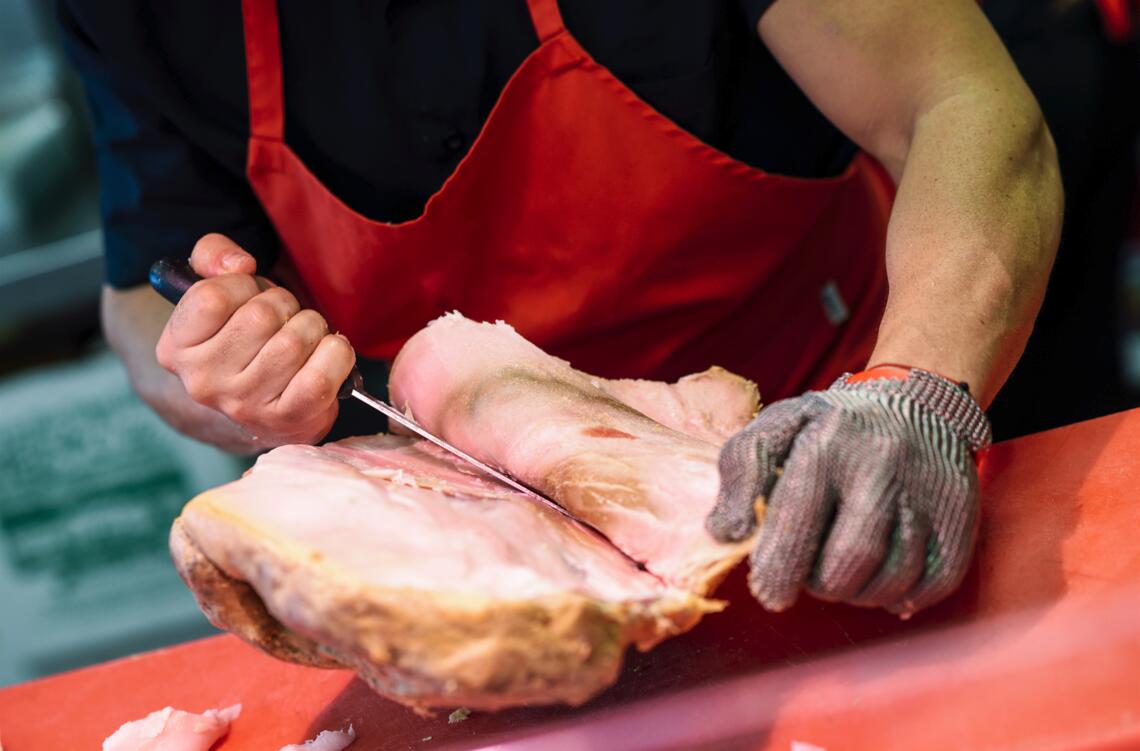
x=868 y=491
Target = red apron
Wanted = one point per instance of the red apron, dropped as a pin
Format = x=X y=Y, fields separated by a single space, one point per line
x=601 y=230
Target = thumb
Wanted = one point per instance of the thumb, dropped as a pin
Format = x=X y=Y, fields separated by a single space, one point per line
x=216 y=254
x=749 y=466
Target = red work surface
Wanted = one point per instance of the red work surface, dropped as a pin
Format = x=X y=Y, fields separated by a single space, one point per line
x=1040 y=649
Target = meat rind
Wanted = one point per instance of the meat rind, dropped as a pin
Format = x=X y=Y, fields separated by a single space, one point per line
x=233 y=605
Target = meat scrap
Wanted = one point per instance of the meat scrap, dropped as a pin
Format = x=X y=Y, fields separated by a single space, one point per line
x=171 y=729
x=326 y=740
x=442 y=588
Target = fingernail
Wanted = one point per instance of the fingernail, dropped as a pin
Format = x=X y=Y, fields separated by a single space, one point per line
x=232 y=260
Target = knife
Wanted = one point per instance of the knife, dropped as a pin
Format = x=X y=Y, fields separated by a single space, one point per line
x=172 y=277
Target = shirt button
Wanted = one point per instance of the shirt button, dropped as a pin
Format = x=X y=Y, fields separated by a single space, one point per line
x=454 y=143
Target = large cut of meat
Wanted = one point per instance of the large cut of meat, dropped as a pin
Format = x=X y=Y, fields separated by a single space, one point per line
x=646 y=485
x=442 y=588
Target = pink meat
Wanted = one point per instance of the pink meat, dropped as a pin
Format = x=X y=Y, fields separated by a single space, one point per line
x=712 y=405
x=172 y=729
x=395 y=500
x=441 y=587
x=646 y=486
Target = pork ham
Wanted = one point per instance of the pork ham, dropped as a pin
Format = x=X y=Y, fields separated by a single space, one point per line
x=442 y=588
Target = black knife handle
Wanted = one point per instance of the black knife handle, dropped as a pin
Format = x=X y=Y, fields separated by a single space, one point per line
x=171 y=277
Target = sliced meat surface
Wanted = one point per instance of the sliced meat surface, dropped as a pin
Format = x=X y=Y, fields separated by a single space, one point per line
x=405 y=517
x=438 y=586
x=646 y=486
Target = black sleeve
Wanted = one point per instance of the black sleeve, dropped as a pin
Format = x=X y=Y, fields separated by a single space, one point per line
x=159 y=192
x=753 y=9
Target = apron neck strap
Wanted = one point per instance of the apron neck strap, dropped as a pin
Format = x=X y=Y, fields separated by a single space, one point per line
x=546 y=17
x=263 y=59
x=263 y=69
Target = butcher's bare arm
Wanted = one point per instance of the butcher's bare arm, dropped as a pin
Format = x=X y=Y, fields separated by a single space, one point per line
x=133 y=320
x=930 y=91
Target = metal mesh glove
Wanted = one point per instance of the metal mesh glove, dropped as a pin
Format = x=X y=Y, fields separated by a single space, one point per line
x=870 y=487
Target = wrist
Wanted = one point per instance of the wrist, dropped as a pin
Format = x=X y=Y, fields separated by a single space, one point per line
x=901 y=372
x=170 y=401
x=947 y=399
x=977 y=364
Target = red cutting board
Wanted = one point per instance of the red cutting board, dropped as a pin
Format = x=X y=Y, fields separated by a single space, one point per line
x=1039 y=649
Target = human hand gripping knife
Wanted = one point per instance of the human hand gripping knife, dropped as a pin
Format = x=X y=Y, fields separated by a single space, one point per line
x=870 y=487
x=171 y=278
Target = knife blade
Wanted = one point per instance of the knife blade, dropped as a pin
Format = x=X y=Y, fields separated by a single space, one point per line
x=171 y=278
x=381 y=406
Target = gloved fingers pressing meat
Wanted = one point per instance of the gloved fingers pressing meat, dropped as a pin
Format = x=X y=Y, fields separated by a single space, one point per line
x=903 y=564
x=859 y=538
x=879 y=477
x=798 y=511
x=750 y=465
x=947 y=551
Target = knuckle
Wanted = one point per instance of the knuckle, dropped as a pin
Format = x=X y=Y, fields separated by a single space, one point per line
x=239 y=411
x=287 y=346
x=261 y=316
x=164 y=353
x=245 y=285
x=281 y=298
x=200 y=387
x=208 y=300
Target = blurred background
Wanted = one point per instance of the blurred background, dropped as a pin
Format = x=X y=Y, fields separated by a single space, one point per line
x=90 y=478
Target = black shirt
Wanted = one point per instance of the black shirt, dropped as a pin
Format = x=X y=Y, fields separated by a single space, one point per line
x=383 y=98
